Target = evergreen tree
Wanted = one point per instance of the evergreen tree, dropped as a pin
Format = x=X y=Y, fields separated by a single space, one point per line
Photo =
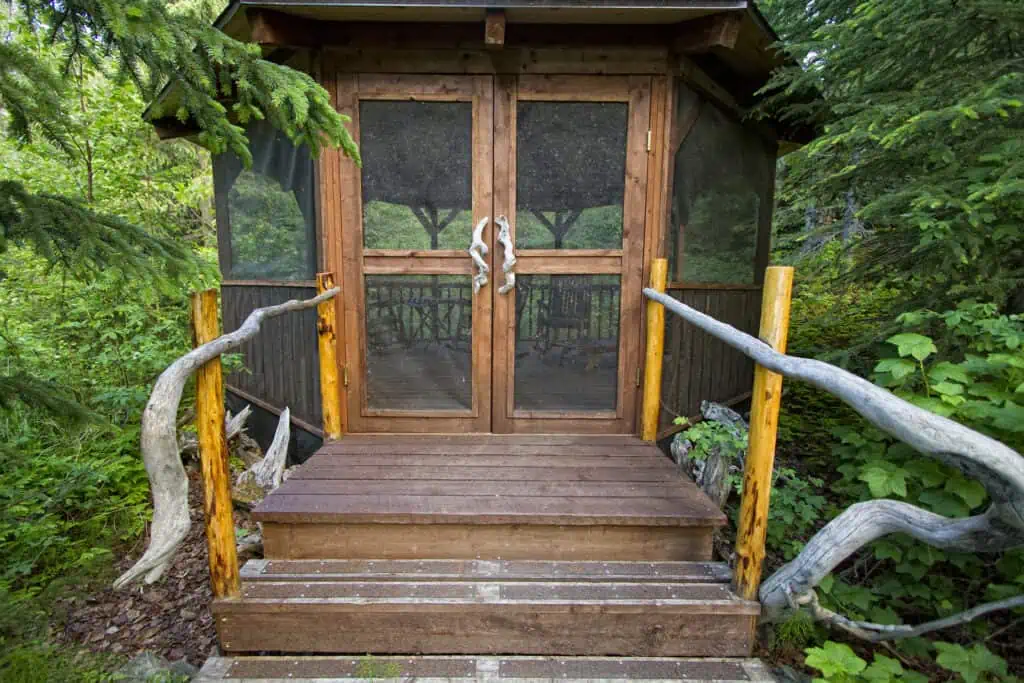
x=149 y=43
x=921 y=108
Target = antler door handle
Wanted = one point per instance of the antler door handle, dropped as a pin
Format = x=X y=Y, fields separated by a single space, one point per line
x=505 y=237
x=477 y=250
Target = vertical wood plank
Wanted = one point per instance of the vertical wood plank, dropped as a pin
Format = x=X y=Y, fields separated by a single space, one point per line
x=655 y=353
x=330 y=388
x=764 y=424
x=634 y=216
x=350 y=253
x=213 y=454
x=504 y=204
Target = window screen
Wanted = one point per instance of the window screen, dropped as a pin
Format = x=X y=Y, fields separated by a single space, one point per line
x=570 y=174
x=266 y=213
x=721 y=196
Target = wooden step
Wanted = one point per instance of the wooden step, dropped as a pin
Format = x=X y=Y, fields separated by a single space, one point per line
x=501 y=570
x=457 y=669
x=481 y=607
x=488 y=497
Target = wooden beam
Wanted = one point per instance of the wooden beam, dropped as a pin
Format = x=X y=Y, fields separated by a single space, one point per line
x=655 y=354
x=326 y=330
x=277 y=29
x=494 y=29
x=213 y=454
x=764 y=426
x=714 y=32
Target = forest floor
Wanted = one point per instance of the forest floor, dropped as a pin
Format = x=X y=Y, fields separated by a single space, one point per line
x=171 y=619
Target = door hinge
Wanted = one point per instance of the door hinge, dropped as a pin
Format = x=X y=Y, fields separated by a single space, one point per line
x=344 y=375
x=649 y=139
x=639 y=374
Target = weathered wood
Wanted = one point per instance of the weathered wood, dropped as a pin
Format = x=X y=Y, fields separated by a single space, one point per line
x=330 y=387
x=486 y=541
x=715 y=32
x=525 y=617
x=494 y=29
x=655 y=354
x=764 y=425
x=213 y=453
x=999 y=468
x=499 y=570
x=281 y=363
x=466 y=669
x=159 y=438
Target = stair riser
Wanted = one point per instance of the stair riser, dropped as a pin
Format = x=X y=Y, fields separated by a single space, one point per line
x=528 y=630
x=486 y=541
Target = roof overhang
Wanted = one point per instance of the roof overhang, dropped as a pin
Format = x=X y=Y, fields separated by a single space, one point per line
x=722 y=39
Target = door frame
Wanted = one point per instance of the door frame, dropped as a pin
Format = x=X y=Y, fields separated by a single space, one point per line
x=357 y=262
x=494 y=98
x=629 y=261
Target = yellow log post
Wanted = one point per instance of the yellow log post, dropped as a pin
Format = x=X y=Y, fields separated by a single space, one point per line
x=326 y=329
x=764 y=425
x=655 y=354
x=213 y=454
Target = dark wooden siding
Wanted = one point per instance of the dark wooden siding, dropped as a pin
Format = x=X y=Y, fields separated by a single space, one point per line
x=283 y=360
x=697 y=366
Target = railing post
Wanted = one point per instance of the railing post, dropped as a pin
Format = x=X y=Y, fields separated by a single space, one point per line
x=650 y=411
x=764 y=424
x=213 y=453
x=326 y=330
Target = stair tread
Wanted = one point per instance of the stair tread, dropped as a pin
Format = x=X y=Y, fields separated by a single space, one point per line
x=491 y=594
x=487 y=481
x=468 y=668
x=503 y=570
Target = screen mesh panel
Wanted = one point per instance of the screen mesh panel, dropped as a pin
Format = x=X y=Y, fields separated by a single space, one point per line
x=267 y=211
x=570 y=174
x=417 y=174
x=721 y=196
x=419 y=342
x=567 y=342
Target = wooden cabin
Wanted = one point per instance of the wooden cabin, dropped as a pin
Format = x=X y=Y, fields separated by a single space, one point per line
x=489 y=495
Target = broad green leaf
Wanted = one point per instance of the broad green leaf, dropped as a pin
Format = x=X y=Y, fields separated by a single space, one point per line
x=944 y=503
x=897 y=367
x=948 y=388
x=834 y=659
x=971 y=491
x=946 y=371
x=885 y=479
x=910 y=344
x=883 y=669
x=972 y=664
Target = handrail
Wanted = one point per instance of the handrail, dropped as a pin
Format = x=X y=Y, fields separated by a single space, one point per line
x=999 y=468
x=159 y=444
x=764 y=413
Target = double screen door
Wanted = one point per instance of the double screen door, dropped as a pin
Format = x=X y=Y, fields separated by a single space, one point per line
x=492 y=248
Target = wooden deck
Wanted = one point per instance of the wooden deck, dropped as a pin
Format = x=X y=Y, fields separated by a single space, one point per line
x=489 y=496
x=487 y=545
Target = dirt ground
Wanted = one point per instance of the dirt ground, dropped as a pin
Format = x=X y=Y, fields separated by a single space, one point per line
x=170 y=618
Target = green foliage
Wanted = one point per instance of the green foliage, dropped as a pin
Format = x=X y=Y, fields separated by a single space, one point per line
x=371 y=667
x=974 y=664
x=838 y=663
x=920 y=105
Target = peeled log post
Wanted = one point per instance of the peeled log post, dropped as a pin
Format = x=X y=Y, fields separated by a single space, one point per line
x=997 y=466
x=167 y=477
x=213 y=454
x=764 y=427
x=327 y=338
x=654 y=356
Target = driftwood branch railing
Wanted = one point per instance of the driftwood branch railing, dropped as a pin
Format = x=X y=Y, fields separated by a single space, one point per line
x=999 y=468
x=160 y=449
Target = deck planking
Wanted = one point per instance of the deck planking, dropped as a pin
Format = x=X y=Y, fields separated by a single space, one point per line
x=490 y=479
